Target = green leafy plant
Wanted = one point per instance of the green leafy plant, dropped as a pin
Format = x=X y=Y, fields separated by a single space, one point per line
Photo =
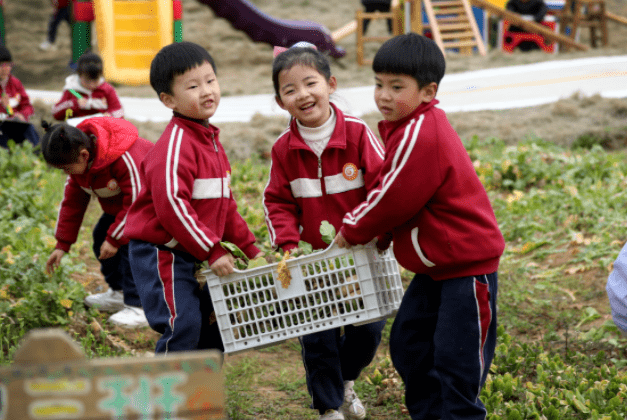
x=327 y=230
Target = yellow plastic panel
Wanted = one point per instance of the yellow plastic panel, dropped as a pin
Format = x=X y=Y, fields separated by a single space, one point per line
x=499 y=3
x=130 y=33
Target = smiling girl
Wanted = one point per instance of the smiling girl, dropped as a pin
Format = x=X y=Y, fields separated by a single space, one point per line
x=322 y=167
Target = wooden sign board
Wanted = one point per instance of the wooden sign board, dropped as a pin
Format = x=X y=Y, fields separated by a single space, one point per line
x=52 y=380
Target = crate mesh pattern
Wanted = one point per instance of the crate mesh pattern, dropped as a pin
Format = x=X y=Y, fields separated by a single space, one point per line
x=328 y=289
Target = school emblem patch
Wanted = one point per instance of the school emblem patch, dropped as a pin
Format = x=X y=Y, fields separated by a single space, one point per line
x=112 y=185
x=350 y=171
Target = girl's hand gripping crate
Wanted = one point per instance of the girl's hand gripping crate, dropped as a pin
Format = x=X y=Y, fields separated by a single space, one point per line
x=323 y=290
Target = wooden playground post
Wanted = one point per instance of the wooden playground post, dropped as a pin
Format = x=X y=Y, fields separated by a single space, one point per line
x=361 y=38
x=416 y=16
x=397 y=21
x=51 y=379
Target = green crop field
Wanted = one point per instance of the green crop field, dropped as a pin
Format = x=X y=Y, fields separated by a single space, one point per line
x=563 y=213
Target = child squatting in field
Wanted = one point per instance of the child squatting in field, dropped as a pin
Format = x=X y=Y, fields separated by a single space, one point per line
x=185 y=207
x=429 y=196
x=322 y=167
x=87 y=93
x=14 y=102
x=101 y=157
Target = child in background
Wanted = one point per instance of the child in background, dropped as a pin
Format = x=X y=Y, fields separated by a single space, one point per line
x=536 y=9
x=444 y=229
x=14 y=101
x=185 y=207
x=322 y=167
x=372 y=6
x=87 y=93
x=61 y=13
x=101 y=157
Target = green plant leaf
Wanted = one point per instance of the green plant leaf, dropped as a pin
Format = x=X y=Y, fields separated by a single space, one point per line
x=327 y=230
x=257 y=262
x=234 y=249
x=305 y=247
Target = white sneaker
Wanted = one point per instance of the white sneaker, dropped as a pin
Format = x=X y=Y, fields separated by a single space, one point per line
x=352 y=408
x=109 y=301
x=332 y=415
x=129 y=317
x=47 y=46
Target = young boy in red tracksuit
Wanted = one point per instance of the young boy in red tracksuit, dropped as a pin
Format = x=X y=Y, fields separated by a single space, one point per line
x=185 y=208
x=87 y=93
x=101 y=157
x=444 y=229
x=322 y=167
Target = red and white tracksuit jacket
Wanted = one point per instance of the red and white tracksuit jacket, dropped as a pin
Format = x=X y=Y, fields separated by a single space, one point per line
x=103 y=99
x=18 y=99
x=430 y=197
x=304 y=190
x=113 y=178
x=186 y=201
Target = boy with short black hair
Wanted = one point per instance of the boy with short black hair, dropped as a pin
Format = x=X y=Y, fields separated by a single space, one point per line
x=87 y=93
x=444 y=229
x=14 y=104
x=185 y=207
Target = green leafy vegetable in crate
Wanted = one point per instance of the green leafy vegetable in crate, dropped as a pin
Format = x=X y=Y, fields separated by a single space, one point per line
x=327 y=230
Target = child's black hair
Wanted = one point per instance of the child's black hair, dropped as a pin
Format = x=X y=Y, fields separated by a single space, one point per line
x=5 y=54
x=411 y=54
x=89 y=65
x=173 y=60
x=304 y=56
x=62 y=144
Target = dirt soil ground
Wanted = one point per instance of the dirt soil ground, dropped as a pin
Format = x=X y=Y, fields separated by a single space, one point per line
x=244 y=68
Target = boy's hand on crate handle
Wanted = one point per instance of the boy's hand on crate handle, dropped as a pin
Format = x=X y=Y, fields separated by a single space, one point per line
x=341 y=242
x=223 y=266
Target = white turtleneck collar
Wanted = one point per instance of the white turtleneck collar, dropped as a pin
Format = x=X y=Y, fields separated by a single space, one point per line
x=317 y=138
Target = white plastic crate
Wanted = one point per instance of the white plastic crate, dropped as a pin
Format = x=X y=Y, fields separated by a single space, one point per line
x=328 y=289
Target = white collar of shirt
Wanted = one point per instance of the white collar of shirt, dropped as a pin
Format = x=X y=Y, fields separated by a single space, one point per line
x=317 y=138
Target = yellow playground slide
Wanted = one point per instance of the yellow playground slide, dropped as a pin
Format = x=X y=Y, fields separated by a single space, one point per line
x=130 y=33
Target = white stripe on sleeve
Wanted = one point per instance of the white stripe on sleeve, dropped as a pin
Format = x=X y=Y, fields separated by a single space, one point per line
x=401 y=156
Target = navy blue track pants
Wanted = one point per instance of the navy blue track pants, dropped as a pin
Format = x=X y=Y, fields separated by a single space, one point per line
x=330 y=358
x=442 y=344
x=116 y=270
x=174 y=302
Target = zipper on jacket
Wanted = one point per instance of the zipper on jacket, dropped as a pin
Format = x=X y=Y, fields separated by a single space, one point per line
x=213 y=139
x=320 y=167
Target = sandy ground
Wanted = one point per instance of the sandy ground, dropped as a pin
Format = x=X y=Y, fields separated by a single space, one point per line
x=244 y=68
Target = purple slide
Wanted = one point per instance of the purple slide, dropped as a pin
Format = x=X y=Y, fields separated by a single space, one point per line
x=261 y=27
